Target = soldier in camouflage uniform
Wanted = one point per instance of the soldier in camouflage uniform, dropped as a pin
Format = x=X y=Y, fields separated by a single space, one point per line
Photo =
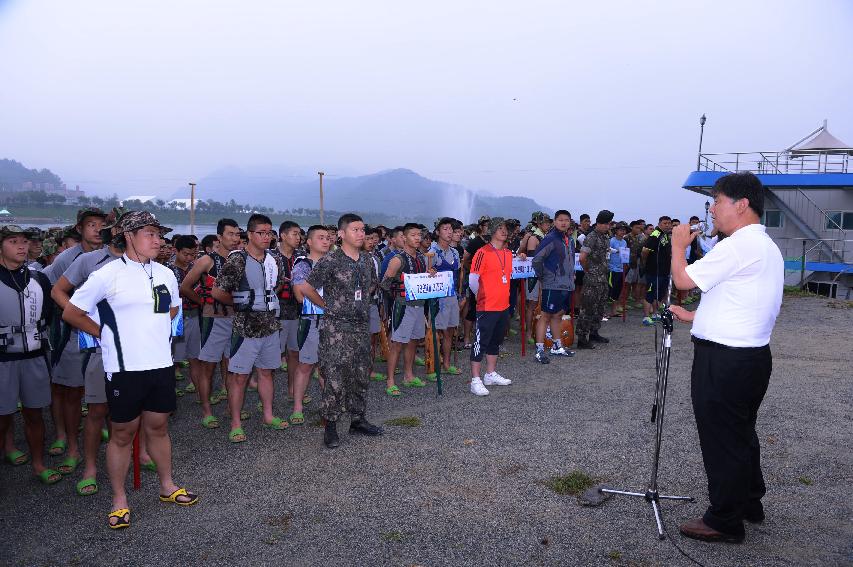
x=594 y=257
x=348 y=280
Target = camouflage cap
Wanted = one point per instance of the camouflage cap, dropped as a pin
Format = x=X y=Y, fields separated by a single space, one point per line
x=513 y=222
x=115 y=215
x=485 y=219
x=621 y=225
x=7 y=230
x=49 y=246
x=538 y=217
x=35 y=233
x=495 y=223
x=133 y=220
x=70 y=231
x=89 y=212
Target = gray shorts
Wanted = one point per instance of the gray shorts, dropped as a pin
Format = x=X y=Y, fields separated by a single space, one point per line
x=93 y=370
x=633 y=276
x=287 y=335
x=215 y=338
x=69 y=370
x=373 y=326
x=412 y=327
x=188 y=346
x=26 y=380
x=247 y=353
x=309 y=349
x=448 y=313
x=533 y=294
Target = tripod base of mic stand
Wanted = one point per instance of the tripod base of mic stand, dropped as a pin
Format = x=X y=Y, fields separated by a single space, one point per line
x=653 y=498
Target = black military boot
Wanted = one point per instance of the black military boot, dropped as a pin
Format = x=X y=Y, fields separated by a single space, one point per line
x=596 y=338
x=330 y=436
x=585 y=344
x=361 y=426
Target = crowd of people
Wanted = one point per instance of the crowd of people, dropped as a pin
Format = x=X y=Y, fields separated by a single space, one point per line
x=109 y=315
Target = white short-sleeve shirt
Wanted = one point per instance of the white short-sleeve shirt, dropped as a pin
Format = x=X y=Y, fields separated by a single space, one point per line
x=133 y=336
x=741 y=279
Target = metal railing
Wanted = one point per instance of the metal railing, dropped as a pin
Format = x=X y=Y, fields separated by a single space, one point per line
x=787 y=161
x=808 y=250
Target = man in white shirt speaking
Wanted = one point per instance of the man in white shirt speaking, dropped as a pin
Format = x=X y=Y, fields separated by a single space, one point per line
x=135 y=300
x=741 y=280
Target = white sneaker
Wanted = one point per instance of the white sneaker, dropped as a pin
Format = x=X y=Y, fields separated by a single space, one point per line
x=495 y=379
x=477 y=387
x=561 y=352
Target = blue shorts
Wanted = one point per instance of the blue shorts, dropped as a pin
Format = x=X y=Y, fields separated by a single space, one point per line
x=556 y=301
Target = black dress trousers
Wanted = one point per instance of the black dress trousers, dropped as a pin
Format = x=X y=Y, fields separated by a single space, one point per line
x=727 y=387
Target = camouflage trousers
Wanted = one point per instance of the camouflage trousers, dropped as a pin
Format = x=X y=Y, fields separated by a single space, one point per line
x=593 y=306
x=344 y=354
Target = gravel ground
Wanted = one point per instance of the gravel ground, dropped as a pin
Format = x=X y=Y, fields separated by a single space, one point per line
x=467 y=486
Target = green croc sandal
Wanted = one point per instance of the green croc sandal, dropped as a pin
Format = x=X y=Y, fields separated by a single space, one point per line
x=244 y=415
x=377 y=377
x=283 y=367
x=432 y=377
x=210 y=422
x=87 y=483
x=296 y=418
x=68 y=465
x=190 y=389
x=49 y=476
x=306 y=399
x=419 y=361
x=84 y=410
x=179 y=375
x=57 y=448
x=252 y=388
x=17 y=458
x=237 y=435
x=214 y=399
x=179 y=392
x=393 y=391
x=277 y=424
x=105 y=435
x=149 y=466
x=414 y=383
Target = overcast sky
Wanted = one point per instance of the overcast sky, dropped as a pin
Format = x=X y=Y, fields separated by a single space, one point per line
x=578 y=105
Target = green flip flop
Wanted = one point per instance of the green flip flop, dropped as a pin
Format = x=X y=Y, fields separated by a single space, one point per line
x=283 y=367
x=244 y=415
x=393 y=391
x=214 y=400
x=69 y=465
x=210 y=422
x=419 y=361
x=190 y=389
x=179 y=375
x=296 y=418
x=452 y=371
x=86 y=483
x=377 y=377
x=414 y=383
x=179 y=392
x=17 y=458
x=105 y=435
x=149 y=466
x=432 y=377
x=306 y=399
x=277 y=424
x=49 y=476
x=237 y=435
x=57 y=448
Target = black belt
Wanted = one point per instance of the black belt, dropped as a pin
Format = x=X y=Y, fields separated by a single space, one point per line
x=712 y=344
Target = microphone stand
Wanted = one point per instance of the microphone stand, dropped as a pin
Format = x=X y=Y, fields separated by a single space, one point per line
x=651 y=495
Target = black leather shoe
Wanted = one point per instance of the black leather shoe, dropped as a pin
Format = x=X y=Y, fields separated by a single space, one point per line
x=330 y=436
x=596 y=338
x=585 y=344
x=364 y=427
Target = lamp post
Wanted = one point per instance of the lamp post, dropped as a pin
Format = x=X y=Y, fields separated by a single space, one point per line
x=192 y=207
x=702 y=121
x=320 y=173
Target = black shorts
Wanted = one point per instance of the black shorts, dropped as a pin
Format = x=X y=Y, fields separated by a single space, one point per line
x=489 y=332
x=578 y=279
x=614 y=281
x=132 y=392
x=471 y=315
x=657 y=287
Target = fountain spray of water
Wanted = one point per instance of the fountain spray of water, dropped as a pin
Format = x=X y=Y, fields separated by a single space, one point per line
x=459 y=203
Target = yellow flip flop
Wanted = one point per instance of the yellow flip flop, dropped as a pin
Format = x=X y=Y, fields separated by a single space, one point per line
x=173 y=497
x=122 y=516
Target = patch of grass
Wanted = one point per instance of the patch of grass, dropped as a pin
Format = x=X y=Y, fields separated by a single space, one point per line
x=796 y=291
x=615 y=555
x=806 y=480
x=393 y=535
x=405 y=421
x=573 y=483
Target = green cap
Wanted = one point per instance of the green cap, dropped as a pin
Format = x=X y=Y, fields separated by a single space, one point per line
x=49 y=246
x=90 y=212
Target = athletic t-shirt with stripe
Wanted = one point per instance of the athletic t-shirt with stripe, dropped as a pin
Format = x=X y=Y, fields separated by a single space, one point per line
x=495 y=270
x=133 y=336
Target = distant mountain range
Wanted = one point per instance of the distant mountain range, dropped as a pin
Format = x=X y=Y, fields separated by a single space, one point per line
x=398 y=192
